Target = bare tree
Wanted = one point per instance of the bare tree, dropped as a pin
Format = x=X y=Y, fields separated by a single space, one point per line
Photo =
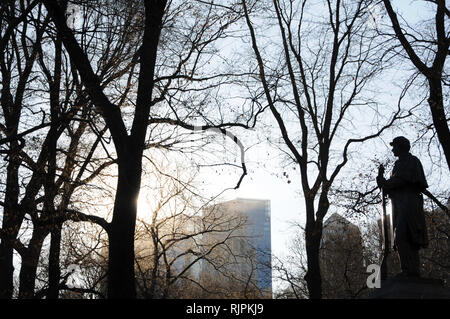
x=52 y=165
x=290 y=269
x=153 y=87
x=329 y=57
x=18 y=56
x=429 y=53
x=174 y=238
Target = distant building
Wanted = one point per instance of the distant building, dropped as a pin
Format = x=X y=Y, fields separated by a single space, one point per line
x=342 y=262
x=226 y=250
x=247 y=254
x=435 y=258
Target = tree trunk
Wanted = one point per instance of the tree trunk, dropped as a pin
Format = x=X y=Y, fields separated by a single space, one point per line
x=436 y=103
x=54 y=270
x=121 y=274
x=6 y=269
x=313 y=238
x=12 y=218
x=313 y=235
x=30 y=260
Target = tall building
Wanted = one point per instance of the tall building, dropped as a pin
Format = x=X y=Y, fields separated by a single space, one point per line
x=435 y=258
x=247 y=253
x=342 y=262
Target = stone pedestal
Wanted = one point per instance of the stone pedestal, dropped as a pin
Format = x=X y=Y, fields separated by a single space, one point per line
x=411 y=288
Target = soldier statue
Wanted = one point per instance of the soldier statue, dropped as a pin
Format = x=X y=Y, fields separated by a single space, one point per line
x=404 y=188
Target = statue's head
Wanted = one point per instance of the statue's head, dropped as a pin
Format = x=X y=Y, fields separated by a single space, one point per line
x=400 y=145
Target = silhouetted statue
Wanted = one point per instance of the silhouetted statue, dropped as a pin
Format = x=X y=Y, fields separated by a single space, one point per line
x=405 y=187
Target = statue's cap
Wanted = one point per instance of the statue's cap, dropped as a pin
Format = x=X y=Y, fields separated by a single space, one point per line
x=400 y=140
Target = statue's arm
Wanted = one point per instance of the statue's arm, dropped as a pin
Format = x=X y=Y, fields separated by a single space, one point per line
x=390 y=184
